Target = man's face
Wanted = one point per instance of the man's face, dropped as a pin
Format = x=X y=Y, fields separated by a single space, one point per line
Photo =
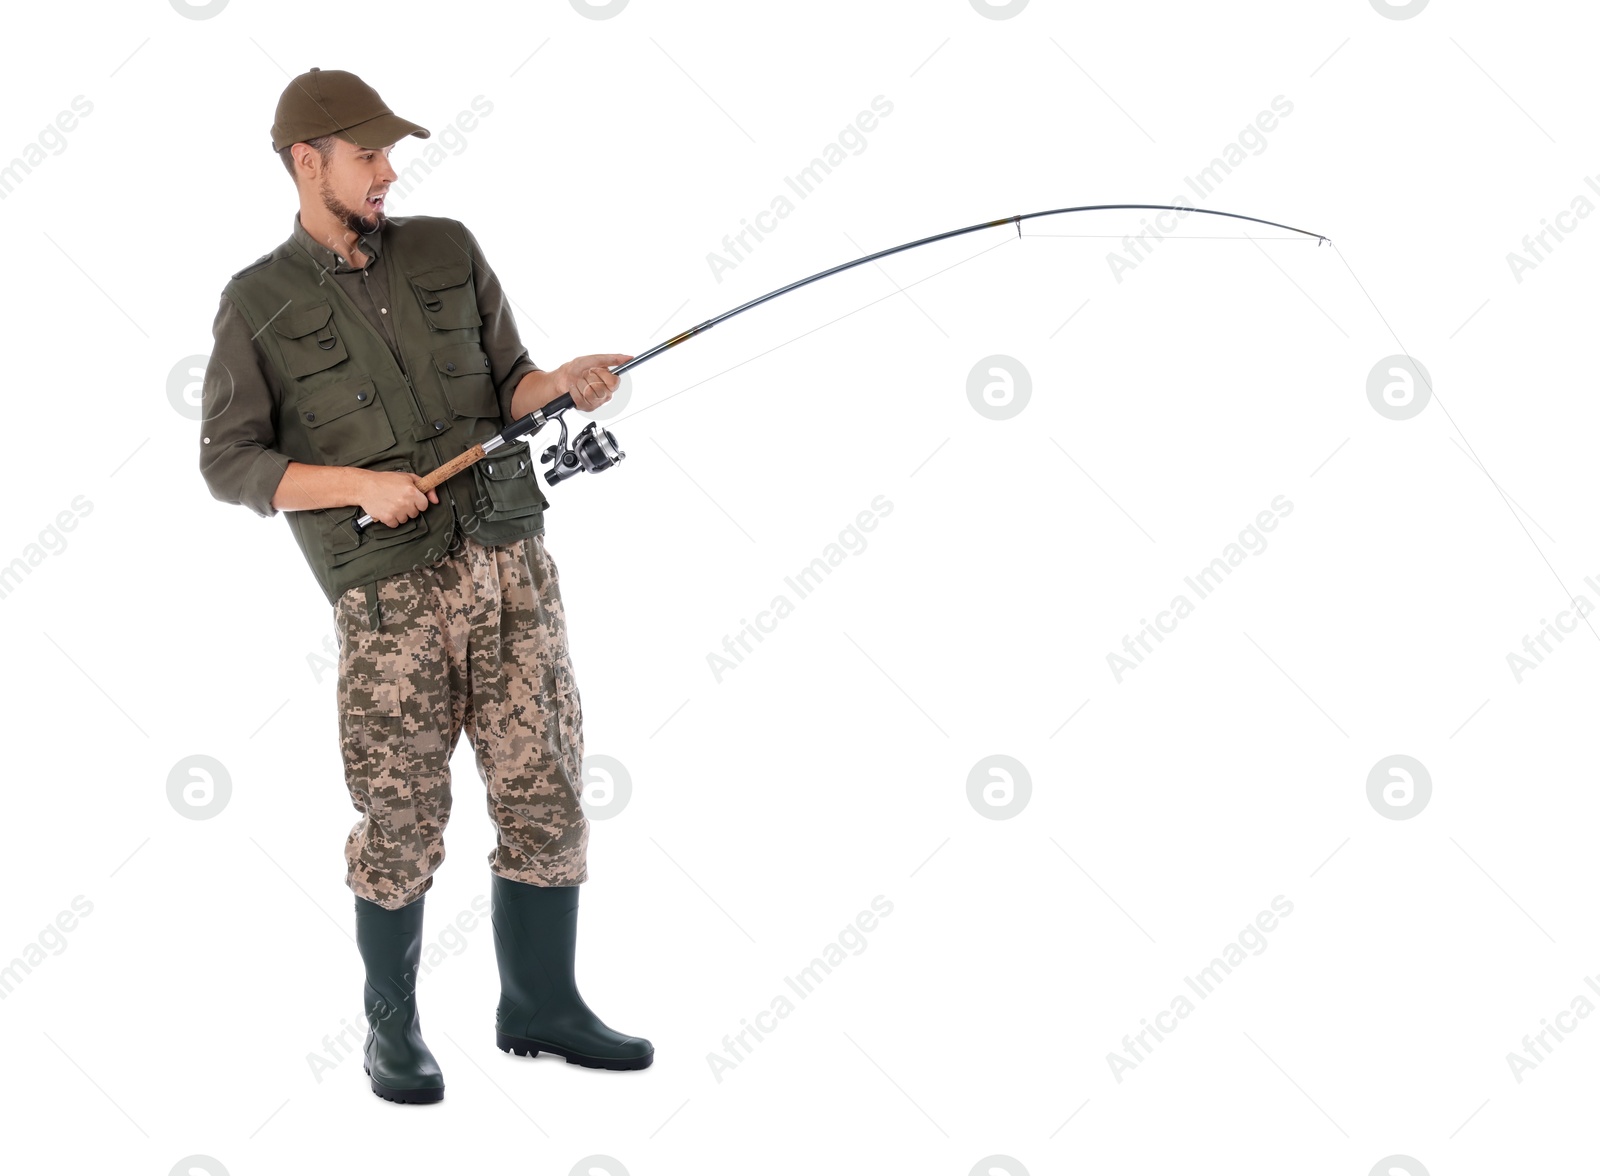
x=354 y=183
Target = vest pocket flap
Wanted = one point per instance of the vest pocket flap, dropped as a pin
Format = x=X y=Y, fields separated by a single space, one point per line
x=461 y=359
x=330 y=404
x=507 y=462
x=448 y=297
x=445 y=277
x=308 y=340
x=294 y=323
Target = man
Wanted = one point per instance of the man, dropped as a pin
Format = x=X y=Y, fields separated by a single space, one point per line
x=357 y=356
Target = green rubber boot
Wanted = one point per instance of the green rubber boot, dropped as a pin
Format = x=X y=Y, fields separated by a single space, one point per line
x=400 y=1064
x=535 y=942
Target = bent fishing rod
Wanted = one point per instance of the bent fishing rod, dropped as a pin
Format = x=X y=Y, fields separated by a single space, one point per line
x=595 y=449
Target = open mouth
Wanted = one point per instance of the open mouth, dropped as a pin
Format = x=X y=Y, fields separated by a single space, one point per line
x=375 y=203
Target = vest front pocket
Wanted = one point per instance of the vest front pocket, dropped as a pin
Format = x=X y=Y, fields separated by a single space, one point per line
x=308 y=339
x=345 y=423
x=468 y=384
x=448 y=296
x=341 y=542
x=506 y=484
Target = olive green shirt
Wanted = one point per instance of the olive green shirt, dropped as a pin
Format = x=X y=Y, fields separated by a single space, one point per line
x=238 y=458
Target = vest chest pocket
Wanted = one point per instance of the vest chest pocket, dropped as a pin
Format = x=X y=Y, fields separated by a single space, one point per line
x=308 y=339
x=448 y=296
x=468 y=384
x=345 y=423
x=507 y=484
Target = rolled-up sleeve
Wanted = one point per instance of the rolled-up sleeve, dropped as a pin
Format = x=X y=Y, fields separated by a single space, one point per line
x=237 y=432
x=508 y=359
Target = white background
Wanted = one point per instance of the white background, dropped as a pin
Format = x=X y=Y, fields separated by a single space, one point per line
x=769 y=807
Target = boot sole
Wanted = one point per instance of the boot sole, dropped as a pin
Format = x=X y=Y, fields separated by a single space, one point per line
x=524 y=1047
x=425 y=1094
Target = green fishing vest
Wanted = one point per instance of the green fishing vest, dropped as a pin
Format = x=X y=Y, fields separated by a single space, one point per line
x=344 y=401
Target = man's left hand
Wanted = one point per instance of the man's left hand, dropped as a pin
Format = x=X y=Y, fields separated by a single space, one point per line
x=588 y=379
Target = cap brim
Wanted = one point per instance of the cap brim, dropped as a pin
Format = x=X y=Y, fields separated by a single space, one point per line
x=378 y=133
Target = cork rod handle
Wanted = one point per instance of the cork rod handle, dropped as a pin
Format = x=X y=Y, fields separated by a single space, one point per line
x=431 y=480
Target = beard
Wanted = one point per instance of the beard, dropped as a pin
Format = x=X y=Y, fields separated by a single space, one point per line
x=360 y=223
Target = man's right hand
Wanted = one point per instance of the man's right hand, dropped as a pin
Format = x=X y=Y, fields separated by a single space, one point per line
x=393 y=497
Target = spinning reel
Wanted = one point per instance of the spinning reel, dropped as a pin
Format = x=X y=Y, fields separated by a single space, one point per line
x=594 y=449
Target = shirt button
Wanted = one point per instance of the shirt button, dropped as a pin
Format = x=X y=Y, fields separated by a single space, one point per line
x=383 y=310
x=439 y=426
x=449 y=367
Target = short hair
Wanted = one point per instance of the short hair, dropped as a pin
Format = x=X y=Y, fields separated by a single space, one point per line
x=323 y=144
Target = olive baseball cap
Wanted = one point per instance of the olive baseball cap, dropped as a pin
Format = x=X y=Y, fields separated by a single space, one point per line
x=332 y=102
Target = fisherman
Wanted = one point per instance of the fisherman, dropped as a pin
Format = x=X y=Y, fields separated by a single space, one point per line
x=360 y=354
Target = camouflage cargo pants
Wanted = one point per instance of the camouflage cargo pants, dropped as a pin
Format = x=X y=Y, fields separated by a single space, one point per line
x=476 y=641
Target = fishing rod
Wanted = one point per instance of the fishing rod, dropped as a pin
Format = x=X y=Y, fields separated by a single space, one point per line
x=595 y=449
x=1007 y=220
